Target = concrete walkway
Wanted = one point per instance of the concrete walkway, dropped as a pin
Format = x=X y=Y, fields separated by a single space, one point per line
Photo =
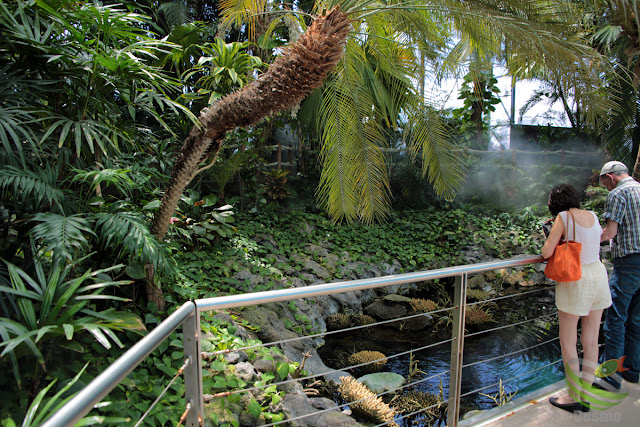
x=535 y=410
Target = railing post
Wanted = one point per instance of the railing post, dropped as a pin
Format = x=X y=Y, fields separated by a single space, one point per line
x=193 y=371
x=457 y=346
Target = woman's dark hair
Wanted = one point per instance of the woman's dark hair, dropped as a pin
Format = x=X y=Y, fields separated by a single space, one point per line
x=562 y=198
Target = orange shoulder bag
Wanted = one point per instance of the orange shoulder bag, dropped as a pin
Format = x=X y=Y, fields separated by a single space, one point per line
x=564 y=264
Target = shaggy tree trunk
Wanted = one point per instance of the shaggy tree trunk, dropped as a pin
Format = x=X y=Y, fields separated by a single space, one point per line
x=302 y=68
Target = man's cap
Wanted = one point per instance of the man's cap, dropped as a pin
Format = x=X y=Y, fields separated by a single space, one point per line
x=611 y=167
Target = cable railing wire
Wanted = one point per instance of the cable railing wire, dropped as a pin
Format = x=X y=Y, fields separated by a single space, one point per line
x=349 y=368
x=155 y=402
x=332 y=371
x=497 y=328
x=507 y=296
x=323 y=334
x=510 y=354
x=512 y=378
x=352 y=402
x=193 y=406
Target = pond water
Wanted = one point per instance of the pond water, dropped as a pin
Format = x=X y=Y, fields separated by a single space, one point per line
x=521 y=372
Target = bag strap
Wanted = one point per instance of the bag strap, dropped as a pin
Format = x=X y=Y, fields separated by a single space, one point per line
x=567 y=228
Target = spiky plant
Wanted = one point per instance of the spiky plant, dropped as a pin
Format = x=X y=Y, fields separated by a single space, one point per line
x=301 y=68
x=365 y=401
x=371 y=361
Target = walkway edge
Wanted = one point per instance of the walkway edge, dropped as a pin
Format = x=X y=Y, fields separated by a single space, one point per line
x=492 y=415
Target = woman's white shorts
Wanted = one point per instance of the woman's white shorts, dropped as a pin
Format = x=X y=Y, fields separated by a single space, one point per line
x=589 y=293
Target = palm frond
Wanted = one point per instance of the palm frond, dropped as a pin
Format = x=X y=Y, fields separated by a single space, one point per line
x=119 y=178
x=177 y=13
x=37 y=187
x=429 y=137
x=64 y=236
x=131 y=232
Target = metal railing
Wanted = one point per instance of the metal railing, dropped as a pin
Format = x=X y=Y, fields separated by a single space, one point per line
x=188 y=315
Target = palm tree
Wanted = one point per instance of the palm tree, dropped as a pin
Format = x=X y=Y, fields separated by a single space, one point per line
x=613 y=28
x=354 y=180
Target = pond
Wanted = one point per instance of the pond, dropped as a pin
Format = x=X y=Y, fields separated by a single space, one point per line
x=522 y=356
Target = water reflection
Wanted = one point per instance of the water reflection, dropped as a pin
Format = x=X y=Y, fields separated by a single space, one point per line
x=531 y=355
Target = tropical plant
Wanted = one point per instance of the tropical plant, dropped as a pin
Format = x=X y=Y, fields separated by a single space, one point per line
x=612 y=26
x=479 y=93
x=80 y=90
x=42 y=406
x=226 y=69
x=373 y=82
x=55 y=306
x=275 y=185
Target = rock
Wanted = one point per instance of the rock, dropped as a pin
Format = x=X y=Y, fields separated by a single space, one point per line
x=268 y=365
x=272 y=328
x=316 y=269
x=316 y=250
x=245 y=371
x=299 y=405
x=382 y=381
x=322 y=403
x=337 y=419
x=476 y=282
x=397 y=298
x=413 y=324
x=385 y=310
x=235 y=357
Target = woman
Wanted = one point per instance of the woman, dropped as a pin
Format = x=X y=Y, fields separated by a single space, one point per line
x=583 y=299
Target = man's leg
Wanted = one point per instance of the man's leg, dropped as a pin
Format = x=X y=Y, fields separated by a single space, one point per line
x=632 y=341
x=624 y=284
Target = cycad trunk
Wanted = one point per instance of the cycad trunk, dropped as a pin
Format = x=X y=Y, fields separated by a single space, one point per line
x=302 y=68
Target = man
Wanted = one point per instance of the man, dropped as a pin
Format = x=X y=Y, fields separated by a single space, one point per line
x=622 y=323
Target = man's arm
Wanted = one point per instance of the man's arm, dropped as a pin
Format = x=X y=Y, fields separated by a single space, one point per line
x=610 y=231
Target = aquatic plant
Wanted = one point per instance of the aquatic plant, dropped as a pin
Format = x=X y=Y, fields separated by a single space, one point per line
x=477 y=315
x=362 y=319
x=420 y=305
x=365 y=402
x=501 y=397
x=338 y=321
x=430 y=405
x=374 y=360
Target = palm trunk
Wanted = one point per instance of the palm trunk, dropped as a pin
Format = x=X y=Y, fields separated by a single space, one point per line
x=302 y=68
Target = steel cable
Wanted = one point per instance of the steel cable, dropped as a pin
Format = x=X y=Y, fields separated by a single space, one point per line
x=155 y=402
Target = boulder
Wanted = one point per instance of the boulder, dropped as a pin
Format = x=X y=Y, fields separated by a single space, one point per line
x=337 y=419
x=385 y=310
x=382 y=381
x=305 y=409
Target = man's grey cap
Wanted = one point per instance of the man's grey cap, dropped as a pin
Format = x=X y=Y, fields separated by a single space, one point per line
x=611 y=167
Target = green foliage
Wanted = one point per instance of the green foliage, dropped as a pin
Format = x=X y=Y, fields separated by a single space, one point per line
x=34 y=188
x=479 y=92
x=56 y=306
x=275 y=185
x=223 y=68
x=224 y=379
x=200 y=224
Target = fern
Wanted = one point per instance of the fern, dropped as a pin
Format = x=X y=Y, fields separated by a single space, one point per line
x=39 y=186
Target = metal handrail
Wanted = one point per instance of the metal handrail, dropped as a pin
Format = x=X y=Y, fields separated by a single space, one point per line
x=188 y=315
